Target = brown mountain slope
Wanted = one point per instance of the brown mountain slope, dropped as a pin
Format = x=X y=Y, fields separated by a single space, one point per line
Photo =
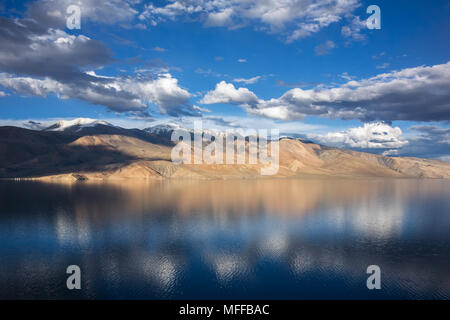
x=51 y=155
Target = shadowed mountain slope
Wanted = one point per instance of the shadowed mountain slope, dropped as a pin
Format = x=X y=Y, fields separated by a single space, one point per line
x=101 y=151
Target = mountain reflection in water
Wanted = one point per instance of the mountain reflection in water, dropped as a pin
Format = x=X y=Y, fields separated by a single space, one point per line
x=279 y=239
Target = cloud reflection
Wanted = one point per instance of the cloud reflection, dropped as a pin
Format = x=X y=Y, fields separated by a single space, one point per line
x=153 y=240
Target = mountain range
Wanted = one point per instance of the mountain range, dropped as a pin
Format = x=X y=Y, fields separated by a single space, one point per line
x=87 y=149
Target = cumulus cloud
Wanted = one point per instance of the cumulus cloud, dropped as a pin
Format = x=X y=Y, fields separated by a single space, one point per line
x=163 y=91
x=227 y=93
x=415 y=94
x=37 y=60
x=278 y=112
x=428 y=141
x=295 y=19
x=428 y=131
x=28 y=48
x=219 y=19
x=370 y=136
x=98 y=94
x=119 y=94
x=424 y=141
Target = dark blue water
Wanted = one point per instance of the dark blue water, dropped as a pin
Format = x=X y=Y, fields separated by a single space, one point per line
x=274 y=239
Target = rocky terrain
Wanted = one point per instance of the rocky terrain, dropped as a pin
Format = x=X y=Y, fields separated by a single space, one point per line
x=96 y=150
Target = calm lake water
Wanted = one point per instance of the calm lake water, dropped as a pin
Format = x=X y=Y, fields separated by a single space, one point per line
x=275 y=239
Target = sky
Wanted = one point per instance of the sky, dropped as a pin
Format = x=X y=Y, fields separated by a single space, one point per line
x=309 y=68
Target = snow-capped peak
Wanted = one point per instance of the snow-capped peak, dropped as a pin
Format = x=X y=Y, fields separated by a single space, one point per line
x=162 y=128
x=79 y=123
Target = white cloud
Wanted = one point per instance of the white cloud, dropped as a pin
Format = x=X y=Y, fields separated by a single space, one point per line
x=159 y=49
x=304 y=30
x=219 y=19
x=175 y=8
x=53 y=12
x=383 y=66
x=425 y=141
x=163 y=91
x=27 y=48
x=294 y=19
x=324 y=48
x=227 y=93
x=201 y=109
x=36 y=60
x=3 y=94
x=416 y=94
x=370 y=136
x=242 y=60
x=247 y=81
x=278 y=112
x=119 y=94
x=346 y=76
x=353 y=29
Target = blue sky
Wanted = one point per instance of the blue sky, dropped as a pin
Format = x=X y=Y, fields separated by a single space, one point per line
x=283 y=64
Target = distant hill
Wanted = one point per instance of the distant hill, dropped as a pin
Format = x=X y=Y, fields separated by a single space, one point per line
x=85 y=149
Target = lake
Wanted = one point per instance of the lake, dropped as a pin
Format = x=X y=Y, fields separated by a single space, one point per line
x=251 y=239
